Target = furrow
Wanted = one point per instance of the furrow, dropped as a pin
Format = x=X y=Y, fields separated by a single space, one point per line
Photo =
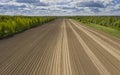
x=102 y=70
x=106 y=46
x=66 y=58
x=98 y=34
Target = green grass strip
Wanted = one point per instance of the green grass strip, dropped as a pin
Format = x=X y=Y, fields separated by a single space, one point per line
x=108 y=30
x=111 y=31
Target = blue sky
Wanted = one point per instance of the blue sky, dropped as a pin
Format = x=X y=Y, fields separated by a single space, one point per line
x=59 y=7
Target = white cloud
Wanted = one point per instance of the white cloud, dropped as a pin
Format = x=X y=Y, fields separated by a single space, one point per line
x=60 y=7
x=56 y=1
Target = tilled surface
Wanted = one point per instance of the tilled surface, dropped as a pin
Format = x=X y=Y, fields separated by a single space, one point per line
x=61 y=47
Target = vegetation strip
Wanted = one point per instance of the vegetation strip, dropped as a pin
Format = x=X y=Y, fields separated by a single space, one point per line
x=10 y=25
x=110 y=25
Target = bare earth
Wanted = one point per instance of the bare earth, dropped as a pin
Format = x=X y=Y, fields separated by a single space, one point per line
x=61 y=47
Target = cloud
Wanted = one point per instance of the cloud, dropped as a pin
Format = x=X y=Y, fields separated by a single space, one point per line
x=27 y=1
x=60 y=7
x=33 y=2
x=91 y=4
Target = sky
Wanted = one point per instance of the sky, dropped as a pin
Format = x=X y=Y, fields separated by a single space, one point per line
x=59 y=7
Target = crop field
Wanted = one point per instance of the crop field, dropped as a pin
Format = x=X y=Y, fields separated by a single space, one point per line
x=60 y=47
x=10 y=25
x=59 y=37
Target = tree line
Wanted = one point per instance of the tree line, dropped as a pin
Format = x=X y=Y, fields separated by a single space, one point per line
x=108 y=21
x=10 y=25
